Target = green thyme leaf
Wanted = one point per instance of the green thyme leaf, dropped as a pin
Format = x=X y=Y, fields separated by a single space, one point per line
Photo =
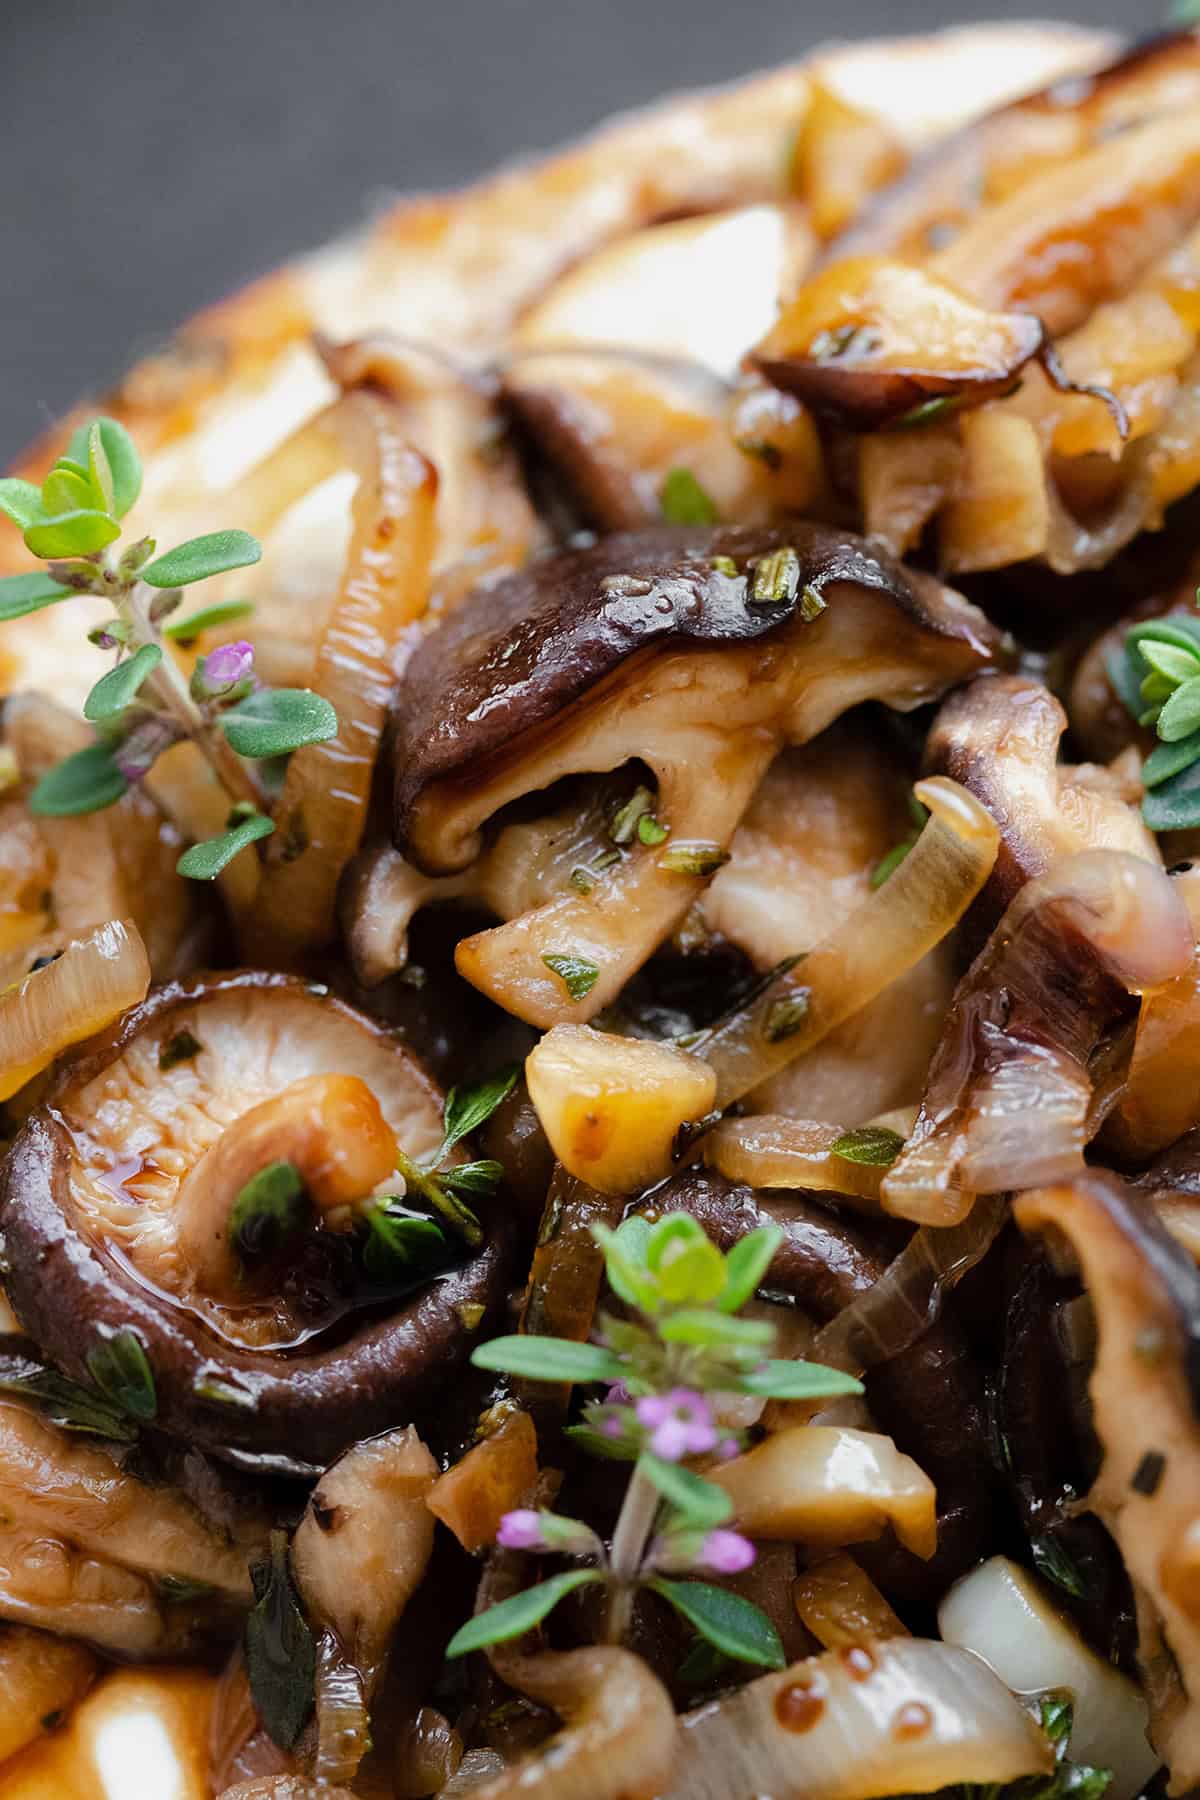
x=732 y=1625
x=447 y=1204
x=85 y=782
x=401 y=1242
x=116 y=690
x=120 y=1368
x=477 y=1180
x=66 y=491
x=1168 y=759
x=100 y=469
x=279 y=1648
x=577 y=974
x=781 y=1379
x=204 y=861
x=1171 y=660
x=1175 y=804
x=785 y=1016
x=222 y=612
x=120 y=454
x=1125 y=679
x=873 y=1145
x=684 y=501
x=76 y=533
x=269 y=1209
x=21 y=502
x=65 y=1403
x=276 y=721
x=513 y=1618
x=1180 y=716
x=202 y=557
x=21 y=594
x=712 y=1330
x=746 y=1265
x=625 y=1263
x=467 y=1108
x=700 y=1502
x=694 y=858
x=776 y=579
x=651 y=831
x=1052 y=1561
x=548 y=1359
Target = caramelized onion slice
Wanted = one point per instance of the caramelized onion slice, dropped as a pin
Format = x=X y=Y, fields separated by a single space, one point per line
x=1004 y=1615
x=1160 y=1100
x=1008 y=1098
x=494 y=1476
x=830 y=1485
x=320 y=815
x=868 y=341
x=612 y=1107
x=905 y=1716
x=94 y=980
x=839 y=1603
x=620 y=1736
x=887 y=935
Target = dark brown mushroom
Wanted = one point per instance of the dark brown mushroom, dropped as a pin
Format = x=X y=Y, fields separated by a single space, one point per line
x=1000 y=737
x=871 y=342
x=1145 y=1395
x=1008 y=1100
x=297 y=1357
x=698 y=652
x=929 y=1397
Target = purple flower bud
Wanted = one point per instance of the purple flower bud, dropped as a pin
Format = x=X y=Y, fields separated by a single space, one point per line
x=228 y=664
x=520 y=1530
x=726 y=1552
x=728 y=1448
x=680 y=1423
x=617 y=1395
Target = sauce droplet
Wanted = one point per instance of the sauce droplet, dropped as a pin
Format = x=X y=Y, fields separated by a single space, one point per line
x=798 y=1706
x=912 y=1721
x=858 y=1662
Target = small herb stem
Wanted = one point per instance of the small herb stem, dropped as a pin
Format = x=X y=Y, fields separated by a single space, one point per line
x=634 y=1525
x=171 y=691
x=460 y=1218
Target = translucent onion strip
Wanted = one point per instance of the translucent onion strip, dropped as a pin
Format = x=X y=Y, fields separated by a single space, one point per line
x=772 y=1151
x=94 y=980
x=1161 y=1099
x=839 y=1603
x=900 y=923
x=321 y=813
x=906 y=1716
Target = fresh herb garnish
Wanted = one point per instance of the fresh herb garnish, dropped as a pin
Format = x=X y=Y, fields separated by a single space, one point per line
x=776 y=578
x=662 y=1366
x=577 y=974
x=269 y=1209
x=181 y=1048
x=280 y=1652
x=873 y=1145
x=144 y=704
x=1053 y=1563
x=1156 y=674
x=684 y=501
x=446 y=1191
x=120 y=1368
x=65 y=1403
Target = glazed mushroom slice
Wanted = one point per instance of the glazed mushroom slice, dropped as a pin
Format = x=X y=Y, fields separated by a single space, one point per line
x=621 y=385
x=1008 y=1101
x=699 y=653
x=201 y=1182
x=1000 y=738
x=1145 y=1394
x=90 y=1551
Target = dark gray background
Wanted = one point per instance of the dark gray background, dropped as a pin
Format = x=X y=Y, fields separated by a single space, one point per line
x=157 y=154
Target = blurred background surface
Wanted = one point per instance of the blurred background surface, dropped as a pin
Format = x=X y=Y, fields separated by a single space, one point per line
x=158 y=153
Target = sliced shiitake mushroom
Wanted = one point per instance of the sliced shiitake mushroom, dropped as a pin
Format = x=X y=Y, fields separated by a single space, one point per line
x=120 y=1202
x=698 y=652
x=1000 y=739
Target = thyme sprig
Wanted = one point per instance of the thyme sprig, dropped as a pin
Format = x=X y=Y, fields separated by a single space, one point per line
x=146 y=703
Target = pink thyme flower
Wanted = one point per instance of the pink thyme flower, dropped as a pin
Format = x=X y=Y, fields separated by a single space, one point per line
x=728 y=1448
x=520 y=1530
x=228 y=664
x=680 y=1423
x=725 y=1552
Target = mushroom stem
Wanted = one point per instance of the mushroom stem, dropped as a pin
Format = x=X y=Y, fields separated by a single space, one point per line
x=328 y=1127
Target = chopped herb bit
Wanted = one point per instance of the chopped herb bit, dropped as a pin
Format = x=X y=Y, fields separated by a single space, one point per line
x=577 y=974
x=625 y=820
x=725 y=565
x=271 y=1208
x=828 y=345
x=120 y=1368
x=812 y=604
x=1051 y=1561
x=776 y=578
x=926 y=412
x=684 y=501
x=183 y=1047
x=471 y=1313
x=582 y=880
x=279 y=1647
x=785 y=1016
x=873 y=1145
x=650 y=831
x=761 y=451
x=694 y=858
x=1148 y=1475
